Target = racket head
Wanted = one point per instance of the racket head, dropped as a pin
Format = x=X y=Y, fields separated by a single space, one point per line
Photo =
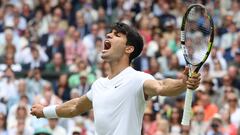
x=197 y=35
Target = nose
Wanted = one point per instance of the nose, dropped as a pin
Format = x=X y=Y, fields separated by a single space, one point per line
x=109 y=35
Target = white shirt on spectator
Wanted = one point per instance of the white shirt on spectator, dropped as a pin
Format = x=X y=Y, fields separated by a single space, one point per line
x=227 y=40
x=25 y=56
x=235 y=117
x=58 y=130
x=89 y=42
x=8 y=89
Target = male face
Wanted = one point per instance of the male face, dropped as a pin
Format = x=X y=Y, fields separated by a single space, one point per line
x=115 y=47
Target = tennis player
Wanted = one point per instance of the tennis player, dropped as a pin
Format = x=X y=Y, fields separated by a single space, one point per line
x=119 y=100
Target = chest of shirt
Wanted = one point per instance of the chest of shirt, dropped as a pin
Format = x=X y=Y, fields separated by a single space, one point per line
x=109 y=95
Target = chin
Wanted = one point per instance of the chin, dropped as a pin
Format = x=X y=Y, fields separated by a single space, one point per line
x=104 y=57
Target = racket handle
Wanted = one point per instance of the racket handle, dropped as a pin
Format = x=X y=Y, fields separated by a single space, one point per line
x=187 y=108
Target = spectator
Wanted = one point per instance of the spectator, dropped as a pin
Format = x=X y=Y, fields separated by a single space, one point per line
x=47 y=97
x=162 y=127
x=229 y=127
x=175 y=118
x=209 y=89
x=32 y=57
x=81 y=25
x=76 y=131
x=55 y=128
x=21 y=115
x=61 y=88
x=234 y=109
x=89 y=13
x=84 y=85
x=234 y=76
x=9 y=62
x=236 y=61
x=3 y=122
x=21 y=128
x=7 y=42
x=48 y=38
x=57 y=46
x=21 y=92
x=56 y=65
x=74 y=79
x=209 y=108
x=68 y=13
x=89 y=40
x=42 y=131
x=35 y=82
x=198 y=125
x=74 y=47
x=1 y=18
x=8 y=85
x=216 y=126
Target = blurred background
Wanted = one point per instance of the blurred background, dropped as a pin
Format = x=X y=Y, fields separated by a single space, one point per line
x=50 y=53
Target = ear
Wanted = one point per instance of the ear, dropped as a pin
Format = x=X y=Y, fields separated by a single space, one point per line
x=129 y=49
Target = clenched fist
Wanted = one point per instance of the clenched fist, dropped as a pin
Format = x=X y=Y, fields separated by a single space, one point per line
x=190 y=82
x=37 y=110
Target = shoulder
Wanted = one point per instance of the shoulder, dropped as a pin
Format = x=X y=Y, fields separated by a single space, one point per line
x=138 y=77
x=98 y=81
x=142 y=75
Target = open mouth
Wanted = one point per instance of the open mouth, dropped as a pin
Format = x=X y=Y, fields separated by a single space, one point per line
x=107 y=44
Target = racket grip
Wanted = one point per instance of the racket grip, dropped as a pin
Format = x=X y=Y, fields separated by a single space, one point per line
x=187 y=108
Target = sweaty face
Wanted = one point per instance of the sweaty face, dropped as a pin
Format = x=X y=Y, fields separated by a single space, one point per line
x=114 y=46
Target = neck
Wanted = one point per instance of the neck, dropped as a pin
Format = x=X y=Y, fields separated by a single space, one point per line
x=116 y=68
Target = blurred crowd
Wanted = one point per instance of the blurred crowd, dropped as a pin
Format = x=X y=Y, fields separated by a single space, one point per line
x=50 y=53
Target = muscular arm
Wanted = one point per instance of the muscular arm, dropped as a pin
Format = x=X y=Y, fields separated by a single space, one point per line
x=166 y=87
x=74 y=107
x=68 y=109
x=171 y=87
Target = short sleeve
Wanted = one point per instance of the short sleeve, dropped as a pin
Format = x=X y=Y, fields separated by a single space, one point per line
x=143 y=77
x=89 y=94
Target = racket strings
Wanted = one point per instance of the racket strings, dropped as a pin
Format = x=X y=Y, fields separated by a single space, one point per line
x=197 y=33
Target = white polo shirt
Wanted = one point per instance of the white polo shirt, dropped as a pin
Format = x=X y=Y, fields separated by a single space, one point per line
x=119 y=103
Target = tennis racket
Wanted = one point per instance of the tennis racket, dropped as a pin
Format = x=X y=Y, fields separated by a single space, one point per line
x=197 y=34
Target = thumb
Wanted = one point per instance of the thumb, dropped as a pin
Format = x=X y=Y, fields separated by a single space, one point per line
x=186 y=70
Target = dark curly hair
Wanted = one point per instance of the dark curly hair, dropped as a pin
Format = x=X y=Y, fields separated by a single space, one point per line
x=133 y=38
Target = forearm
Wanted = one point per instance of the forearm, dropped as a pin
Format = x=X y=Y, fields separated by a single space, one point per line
x=171 y=87
x=67 y=109
x=74 y=107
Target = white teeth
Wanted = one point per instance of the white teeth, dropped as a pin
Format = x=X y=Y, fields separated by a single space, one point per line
x=107 y=44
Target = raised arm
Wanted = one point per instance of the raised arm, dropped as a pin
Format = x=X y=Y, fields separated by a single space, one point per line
x=171 y=87
x=68 y=109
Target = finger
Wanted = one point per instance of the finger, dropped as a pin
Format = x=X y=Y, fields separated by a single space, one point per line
x=192 y=87
x=192 y=83
x=194 y=80
x=196 y=75
x=186 y=70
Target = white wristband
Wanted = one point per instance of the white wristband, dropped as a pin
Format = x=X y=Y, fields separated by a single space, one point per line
x=50 y=111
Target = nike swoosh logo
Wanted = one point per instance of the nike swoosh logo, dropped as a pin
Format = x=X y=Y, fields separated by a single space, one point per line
x=117 y=85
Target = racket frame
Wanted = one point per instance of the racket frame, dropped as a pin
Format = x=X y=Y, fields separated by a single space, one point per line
x=189 y=93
